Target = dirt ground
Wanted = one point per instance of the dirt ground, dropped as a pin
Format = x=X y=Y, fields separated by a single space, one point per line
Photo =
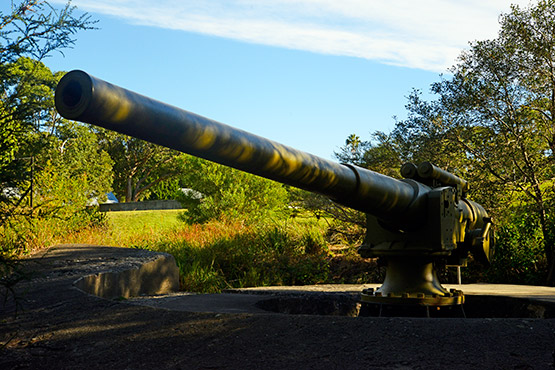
x=61 y=327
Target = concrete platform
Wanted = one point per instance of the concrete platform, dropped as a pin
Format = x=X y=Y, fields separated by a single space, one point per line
x=152 y=279
x=52 y=324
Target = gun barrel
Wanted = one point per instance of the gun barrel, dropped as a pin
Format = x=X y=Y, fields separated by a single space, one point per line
x=82 y=97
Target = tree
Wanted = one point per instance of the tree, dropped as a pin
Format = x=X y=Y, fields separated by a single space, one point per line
x=28 y=34
x=379 y=154
x=31 y=31
x=423 y=136
x=59 y=169
x=353 y=150
x=72 y=150
x=346 y=225
x=499 y=106
x=18 y=135
x=139 y=166
x=71 y=173
x=493 y=123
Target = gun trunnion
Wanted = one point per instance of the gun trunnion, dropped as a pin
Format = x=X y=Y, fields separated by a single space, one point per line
x=411 y=222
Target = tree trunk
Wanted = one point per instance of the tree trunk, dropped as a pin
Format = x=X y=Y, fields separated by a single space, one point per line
x=548 y=248
x=129 y=190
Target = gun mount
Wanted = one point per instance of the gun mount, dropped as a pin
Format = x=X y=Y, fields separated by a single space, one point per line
x=411 y=222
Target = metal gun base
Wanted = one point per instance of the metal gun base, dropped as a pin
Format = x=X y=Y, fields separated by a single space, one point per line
x=453 y=298
x=412 y=281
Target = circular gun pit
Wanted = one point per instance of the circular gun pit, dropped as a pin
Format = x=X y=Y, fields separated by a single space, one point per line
x=475 y=306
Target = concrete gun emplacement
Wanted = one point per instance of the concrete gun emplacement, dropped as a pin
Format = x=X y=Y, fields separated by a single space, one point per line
x=411 y=223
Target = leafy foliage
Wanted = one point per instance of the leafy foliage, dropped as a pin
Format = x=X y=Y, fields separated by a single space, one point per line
x=73 y=173
x=379 y=154
x=68 y=174
x=519 y=255
x=139 y=166
x=498 y=108
x=35 y=29
x=29 y=33
x=229 y=194
x=32 y=31
x=345 y=226
x=170 y=188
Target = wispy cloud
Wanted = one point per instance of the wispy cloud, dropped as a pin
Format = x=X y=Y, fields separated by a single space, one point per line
x=424 y=34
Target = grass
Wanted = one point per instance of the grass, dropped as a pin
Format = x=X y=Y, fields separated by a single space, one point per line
x=219 y=255
x=129 y=227
x=159 y=221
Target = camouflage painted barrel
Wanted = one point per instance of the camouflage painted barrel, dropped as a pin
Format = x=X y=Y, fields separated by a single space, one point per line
x=82 y=97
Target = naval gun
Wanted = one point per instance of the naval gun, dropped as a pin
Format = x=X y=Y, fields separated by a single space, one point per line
x=411 y=223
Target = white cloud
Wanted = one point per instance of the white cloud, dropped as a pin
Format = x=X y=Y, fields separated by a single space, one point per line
x=424 y=34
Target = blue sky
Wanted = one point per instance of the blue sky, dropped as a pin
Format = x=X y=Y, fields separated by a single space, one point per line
x=305 y=73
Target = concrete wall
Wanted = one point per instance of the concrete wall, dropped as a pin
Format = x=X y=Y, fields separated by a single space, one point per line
x=141 y=206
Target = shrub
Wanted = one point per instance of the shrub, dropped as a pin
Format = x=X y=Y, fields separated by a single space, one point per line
x=230 y=195
x=519 y=257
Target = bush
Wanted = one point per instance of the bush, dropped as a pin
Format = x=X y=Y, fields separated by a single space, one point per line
x=230 y=195
x=60 y=209
x=519 y=256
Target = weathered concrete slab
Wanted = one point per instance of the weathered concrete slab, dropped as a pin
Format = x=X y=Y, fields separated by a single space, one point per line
x=541 y=293
x=111 y=272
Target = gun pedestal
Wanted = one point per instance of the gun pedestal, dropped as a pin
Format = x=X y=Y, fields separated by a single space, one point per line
x=412 y=281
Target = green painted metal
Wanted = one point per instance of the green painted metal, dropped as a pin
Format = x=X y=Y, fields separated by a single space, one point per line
x=411 y=222
x=88 y=99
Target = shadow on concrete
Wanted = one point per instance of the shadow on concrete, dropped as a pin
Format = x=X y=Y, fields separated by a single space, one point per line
x=63 y=328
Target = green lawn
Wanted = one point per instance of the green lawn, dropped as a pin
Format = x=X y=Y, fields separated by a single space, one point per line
x=132 y=222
